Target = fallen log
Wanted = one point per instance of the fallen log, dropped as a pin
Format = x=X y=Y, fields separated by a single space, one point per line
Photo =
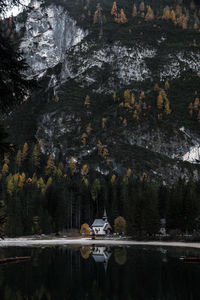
x=14 y=259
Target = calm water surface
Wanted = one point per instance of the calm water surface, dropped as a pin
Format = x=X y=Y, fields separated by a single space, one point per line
x=106 y=273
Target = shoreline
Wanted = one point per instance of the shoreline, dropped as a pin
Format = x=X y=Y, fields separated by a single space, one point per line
x=31 y=242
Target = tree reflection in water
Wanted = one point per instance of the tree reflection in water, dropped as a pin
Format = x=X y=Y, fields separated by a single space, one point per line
x=112 y=273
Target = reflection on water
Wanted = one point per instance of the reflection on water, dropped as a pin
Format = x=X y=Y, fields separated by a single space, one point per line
x=100 y=273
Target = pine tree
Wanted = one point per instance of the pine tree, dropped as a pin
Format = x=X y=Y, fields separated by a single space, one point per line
x=50 y=168
x=35 y=158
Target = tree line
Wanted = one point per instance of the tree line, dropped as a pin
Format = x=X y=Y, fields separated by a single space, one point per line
x=40 y=195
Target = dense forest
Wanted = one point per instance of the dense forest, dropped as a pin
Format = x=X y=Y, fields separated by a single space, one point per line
x=56 y=186
x=42 y=196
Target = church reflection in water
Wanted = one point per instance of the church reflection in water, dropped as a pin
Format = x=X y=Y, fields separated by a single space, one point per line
x=99 y=254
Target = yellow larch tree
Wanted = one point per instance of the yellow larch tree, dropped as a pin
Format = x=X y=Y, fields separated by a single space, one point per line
x=87 y=101
x=123 y=18
x=84 y=138
x=125 y=122
x=22 y=179
x=167 y=86
x=135 y=115
x=24 y=151
x=84 y=170
x=10 y=186
x=99 y=147
x=173 y=16
x=142 y=95
x=95 y=17
x=72 y=165
x=103 y=122
x=105 y=153
x=114 y=9
x=6 y=159
x=150 y=14
x=49 y=182
x=113 y=178
x=88 y=128
x=160 y=101
x=167 y=108
x=129 y=172
x=50 y=167
x=166 y=13
x=132 y=99
x=5 y=169
x=134 y=12
x=127 y=96
x=41 y=185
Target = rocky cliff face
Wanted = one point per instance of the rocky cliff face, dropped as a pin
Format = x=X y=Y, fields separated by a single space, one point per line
x=68 y=59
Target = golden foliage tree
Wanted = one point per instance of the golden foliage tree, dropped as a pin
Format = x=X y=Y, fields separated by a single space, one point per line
x=114 y=9
x=167 y=108
x=123 y=18
x=99 y=147
x=22 y=179
x=4 y=169
x=50 y=168
x=120 y=224
x=166 y=13
x=113 y=178
x=87 y=101
x=127 y=96
x=72 y=165
x=160 y=101
x=103 y=122
x=85 y=229
x=10 y=186
x=150 y=14
x=95 y=17
x=24 y=151
x=88 y=128
x=84 y=170
x=134 y=12
x=167 y=86
x=84 y=138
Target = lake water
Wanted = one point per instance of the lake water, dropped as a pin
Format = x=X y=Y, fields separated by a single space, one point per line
x=106 y=273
